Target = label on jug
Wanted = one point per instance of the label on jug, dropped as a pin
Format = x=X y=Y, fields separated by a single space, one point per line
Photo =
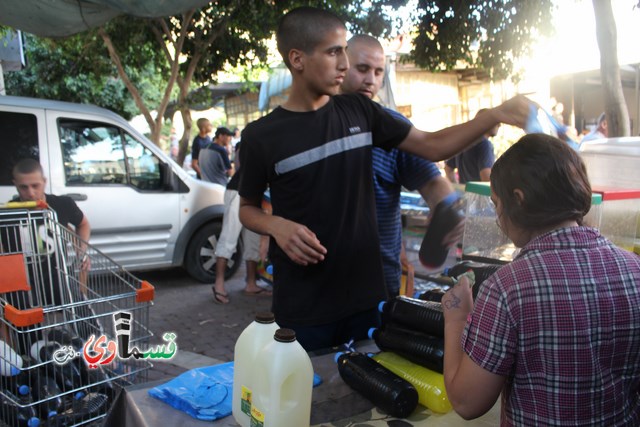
x=245 y=401
x=257 y=417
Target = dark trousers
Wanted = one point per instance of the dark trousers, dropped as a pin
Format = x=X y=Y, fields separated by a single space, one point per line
x=354 y=327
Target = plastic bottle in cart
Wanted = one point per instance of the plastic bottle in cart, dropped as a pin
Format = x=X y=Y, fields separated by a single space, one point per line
x=284 y=382
x=68 y=375
x=386 y=390
x=247 y=350
x=429 y=384
x=10 y=361
x=46 y=389
x=18 y=409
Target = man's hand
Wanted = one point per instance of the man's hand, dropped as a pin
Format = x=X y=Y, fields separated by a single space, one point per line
x=457 y=302
x=514 y=111
x=298 y=242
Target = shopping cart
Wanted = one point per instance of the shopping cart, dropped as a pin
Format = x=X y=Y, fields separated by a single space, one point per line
x=62 y=357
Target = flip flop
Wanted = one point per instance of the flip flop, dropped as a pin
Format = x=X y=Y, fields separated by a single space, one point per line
x=217 y=295
x=261 y=293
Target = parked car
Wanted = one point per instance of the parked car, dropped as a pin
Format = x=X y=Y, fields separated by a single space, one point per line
x=145 y=211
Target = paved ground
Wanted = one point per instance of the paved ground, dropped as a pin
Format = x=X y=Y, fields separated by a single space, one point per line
x=206 y=332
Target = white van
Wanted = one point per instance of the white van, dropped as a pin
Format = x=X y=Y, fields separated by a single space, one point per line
x=145 y=211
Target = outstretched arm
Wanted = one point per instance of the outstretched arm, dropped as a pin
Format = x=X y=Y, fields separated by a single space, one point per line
x=296 y=240
x=445 y=143
x=471 y=389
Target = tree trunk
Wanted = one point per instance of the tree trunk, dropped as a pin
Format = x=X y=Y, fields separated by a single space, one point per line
x=614 y=102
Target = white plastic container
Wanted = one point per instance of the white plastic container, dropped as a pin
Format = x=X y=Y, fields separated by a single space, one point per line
x=248 y=348
x=10 y=361
x=284 y=383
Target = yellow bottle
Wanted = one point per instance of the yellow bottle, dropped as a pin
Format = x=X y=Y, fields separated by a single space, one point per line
x=429 y=384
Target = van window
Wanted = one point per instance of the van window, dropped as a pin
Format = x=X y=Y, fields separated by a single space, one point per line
x=102 y=154
x=18 y=140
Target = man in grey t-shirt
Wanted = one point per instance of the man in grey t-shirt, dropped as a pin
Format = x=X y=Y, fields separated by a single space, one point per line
x=214 y=162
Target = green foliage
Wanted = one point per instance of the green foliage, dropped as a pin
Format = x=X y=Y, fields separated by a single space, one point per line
x=488 y=34
x=78 y=69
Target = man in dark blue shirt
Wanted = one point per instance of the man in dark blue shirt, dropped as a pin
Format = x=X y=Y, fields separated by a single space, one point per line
x=473 y=164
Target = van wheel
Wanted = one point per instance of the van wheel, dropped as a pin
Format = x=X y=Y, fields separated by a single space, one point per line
x=200 y=259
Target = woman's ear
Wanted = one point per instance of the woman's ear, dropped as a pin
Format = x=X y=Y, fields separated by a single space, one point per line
x=519 y=195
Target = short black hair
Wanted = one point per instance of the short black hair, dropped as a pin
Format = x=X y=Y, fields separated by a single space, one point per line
x=26 y=166
x=304 y=28
x=552 y=177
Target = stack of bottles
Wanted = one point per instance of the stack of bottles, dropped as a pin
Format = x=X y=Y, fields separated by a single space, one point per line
x=272 y=377
x=35 y=390
x=411 y=338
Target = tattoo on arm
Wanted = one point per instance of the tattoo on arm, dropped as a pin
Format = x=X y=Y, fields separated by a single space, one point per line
x=454 y=303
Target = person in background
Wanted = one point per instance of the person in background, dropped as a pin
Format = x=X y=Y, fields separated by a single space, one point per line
x=555 y=331
x=314 y=154
x=213 y=161
x=228 y=241
x=473 y=164
x=392 y=169
x=30 y=182
x=29 y=179
x=201 y=140
x=601 y=130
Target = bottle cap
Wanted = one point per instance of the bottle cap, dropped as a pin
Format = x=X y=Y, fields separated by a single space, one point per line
x=381 y=306
x=52 y=414
x=337 y=356
x=265 y=317
x=285 y=335
x=371 y=332
x=23 y=390
x=33 y=422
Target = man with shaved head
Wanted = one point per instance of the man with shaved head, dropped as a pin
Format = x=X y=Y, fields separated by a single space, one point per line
x=391 y=169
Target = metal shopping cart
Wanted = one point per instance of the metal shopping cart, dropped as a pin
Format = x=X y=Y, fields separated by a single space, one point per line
x=72 y=323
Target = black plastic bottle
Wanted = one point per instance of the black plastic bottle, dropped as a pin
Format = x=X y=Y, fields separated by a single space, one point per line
x=68 y=375
x=392 y=394
x=481 y=271
x=22 y=414
x=84 y=408
x=46 y=390
x=423 y=316
x=434 y=295
x=448 y=214
x=425 y=350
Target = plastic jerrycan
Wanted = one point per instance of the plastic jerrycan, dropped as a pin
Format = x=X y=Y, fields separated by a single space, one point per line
x=284 y=383
x=248 y=348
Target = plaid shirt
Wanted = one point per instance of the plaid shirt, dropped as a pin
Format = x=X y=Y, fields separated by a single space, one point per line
x=562 y=322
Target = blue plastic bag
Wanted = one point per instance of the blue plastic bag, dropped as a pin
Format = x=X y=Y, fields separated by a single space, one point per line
x=540 y=121
x=203 y=393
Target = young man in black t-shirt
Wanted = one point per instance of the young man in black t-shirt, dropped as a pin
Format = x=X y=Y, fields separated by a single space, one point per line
x=314 y=153
x=28 y=177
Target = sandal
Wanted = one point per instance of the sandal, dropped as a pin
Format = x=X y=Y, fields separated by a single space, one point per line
x=261 y=293
x=218 y=297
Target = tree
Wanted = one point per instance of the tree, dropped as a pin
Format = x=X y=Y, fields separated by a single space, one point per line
x=484 y=34
x=67 y=70
x=614 y=103
x=198 y=43
x=491 y=34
